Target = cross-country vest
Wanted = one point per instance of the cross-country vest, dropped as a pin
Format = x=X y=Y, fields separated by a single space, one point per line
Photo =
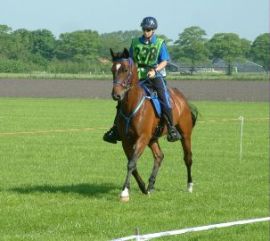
x=145 y=55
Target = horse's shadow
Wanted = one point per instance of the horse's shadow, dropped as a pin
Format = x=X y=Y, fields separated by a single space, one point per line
x=85 y=189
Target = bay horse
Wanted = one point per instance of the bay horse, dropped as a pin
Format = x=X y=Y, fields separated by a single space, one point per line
x=138 y=122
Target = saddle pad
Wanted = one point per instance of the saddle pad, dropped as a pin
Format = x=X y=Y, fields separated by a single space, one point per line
x=152 y=95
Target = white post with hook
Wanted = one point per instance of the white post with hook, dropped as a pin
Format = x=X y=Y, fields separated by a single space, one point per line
x=241 y=118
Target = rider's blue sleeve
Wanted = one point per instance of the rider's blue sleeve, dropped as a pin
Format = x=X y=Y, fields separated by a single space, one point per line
x=163 y=54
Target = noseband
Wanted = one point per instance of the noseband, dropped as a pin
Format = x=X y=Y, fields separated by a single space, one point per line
x=125 y=83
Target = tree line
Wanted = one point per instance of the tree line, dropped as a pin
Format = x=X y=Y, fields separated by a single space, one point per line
x=87 y=51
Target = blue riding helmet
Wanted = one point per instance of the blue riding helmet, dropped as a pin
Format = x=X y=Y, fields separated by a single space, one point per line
x=149 y=23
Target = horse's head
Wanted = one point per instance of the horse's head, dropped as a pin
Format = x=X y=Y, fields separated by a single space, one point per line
x=122 y=70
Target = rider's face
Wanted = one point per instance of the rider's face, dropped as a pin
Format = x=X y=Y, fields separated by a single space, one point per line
x=148 y=33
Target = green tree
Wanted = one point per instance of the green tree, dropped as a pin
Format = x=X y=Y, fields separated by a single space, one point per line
x=117 y=41
x=78 y=46
x=191 y=45
x=43 y=43
x=4 y=29
x=23 y=42
x=246 y=47
x=6 y=42
x=260 y=50
x=226 y=46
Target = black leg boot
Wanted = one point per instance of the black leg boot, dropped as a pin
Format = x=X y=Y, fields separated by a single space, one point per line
x=112 y=135
x=173 y=134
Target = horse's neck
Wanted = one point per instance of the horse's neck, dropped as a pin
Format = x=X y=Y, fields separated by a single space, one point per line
x=135 y=78
x=135 y=93
x=133 y=97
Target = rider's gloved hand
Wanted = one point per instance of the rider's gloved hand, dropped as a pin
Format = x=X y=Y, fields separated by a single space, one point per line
x=151 y=74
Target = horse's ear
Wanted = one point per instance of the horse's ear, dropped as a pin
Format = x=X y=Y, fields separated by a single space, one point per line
x=112 y=53
x=126 y=53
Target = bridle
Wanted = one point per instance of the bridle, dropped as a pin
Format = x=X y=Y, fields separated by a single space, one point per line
x=125 y=83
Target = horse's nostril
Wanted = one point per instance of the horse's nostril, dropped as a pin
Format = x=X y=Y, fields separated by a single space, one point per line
x=116 y=97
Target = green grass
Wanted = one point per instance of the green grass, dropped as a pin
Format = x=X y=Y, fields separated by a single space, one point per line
x=108 y=76
x=66 y=76
x=219 y=76
x=60 y=181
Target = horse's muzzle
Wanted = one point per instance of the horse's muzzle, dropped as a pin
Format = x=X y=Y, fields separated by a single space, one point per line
x=116 y=97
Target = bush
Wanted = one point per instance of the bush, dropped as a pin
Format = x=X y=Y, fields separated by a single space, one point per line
x=71 y=67
x=14 y=66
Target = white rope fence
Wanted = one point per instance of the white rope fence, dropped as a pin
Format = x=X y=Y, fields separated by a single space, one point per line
x=146 y=237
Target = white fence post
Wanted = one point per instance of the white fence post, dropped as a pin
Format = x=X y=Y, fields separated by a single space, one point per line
x=241 y=118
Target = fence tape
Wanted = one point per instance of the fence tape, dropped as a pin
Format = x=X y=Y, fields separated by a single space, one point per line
x=35 y=132
x=146 y=237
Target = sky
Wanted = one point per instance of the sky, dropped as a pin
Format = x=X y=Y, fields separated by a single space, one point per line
x=247 y=18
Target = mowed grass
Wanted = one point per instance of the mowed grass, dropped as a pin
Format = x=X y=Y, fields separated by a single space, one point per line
x=108 y=76
x=60 y=181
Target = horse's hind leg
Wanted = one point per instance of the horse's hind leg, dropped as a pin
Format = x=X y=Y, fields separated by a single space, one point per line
x=186 y=143
x=158 y=157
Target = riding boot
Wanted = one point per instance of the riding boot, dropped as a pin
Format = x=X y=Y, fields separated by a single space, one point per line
x=112 y=135
x=173 y=134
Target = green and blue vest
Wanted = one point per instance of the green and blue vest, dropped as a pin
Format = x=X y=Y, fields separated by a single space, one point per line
x=145 y=55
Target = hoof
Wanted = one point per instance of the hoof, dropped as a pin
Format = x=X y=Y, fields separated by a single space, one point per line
x=190 y=187
x=149 y=191
x=124 y=199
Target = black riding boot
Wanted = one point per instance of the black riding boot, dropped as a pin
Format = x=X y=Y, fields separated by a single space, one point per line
x=112 y=135
x=173 y=134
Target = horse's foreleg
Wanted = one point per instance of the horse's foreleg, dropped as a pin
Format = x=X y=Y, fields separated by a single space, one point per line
x=158 y=157
x=138 y=150
x=131 y=167
x=186 y=143
x=133 y=153
x=139 y=180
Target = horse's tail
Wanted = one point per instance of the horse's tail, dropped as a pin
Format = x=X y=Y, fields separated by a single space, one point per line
x=194 y=113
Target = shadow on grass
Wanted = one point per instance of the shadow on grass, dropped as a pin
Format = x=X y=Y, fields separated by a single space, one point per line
x=90 y=190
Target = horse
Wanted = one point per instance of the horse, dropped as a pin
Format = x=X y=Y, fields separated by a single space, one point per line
x=138 y=122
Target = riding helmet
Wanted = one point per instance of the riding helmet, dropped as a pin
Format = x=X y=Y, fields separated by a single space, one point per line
x=149 y=23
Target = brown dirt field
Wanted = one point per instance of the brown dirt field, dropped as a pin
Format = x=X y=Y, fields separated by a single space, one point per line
x=193 y=89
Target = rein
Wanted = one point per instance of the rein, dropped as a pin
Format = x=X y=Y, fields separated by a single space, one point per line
x=129 y=117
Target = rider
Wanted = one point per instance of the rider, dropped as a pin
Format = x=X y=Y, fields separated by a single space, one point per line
x=150 y=53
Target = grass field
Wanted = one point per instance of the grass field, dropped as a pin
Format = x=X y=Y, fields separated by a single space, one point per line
x=60 y=181
x=108 y=76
